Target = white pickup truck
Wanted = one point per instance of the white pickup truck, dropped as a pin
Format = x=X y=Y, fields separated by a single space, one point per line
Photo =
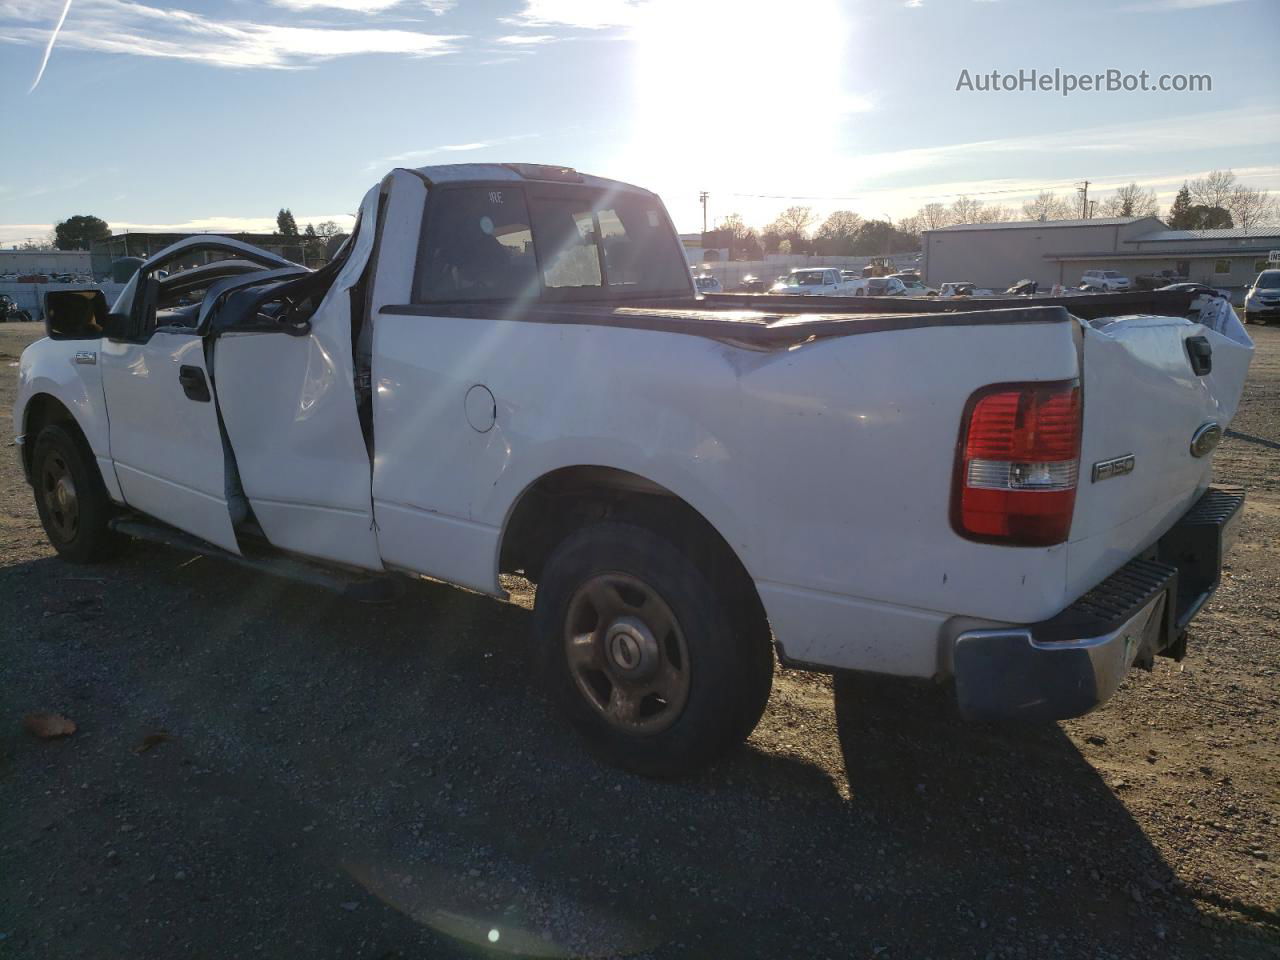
x=506 y=369
x=812 y=282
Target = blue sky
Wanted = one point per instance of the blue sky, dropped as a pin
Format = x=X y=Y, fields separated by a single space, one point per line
x=215 y=114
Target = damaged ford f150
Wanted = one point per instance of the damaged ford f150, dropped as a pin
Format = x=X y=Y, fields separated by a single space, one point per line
x=507 y=369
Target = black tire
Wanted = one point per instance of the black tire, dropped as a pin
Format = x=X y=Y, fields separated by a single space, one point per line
x=70 y=497
x=727 y=664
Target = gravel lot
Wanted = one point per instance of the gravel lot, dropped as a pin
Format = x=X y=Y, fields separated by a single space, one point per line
x=352 y=781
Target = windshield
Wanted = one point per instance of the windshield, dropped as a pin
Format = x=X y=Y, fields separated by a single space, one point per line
x=807 y=278
x=1110 y=274
x=877 y=285
x=1268 y=280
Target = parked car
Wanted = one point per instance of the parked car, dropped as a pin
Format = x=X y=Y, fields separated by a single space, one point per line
x=915 y=287
x=883 y=287
x=706 y=283
x=688 y=489
x=961 y=288
x=753 y=284
x=1023 y=288
x=1158 y=280
x=1105 y=280
x=1262 y=301
x=812 y=282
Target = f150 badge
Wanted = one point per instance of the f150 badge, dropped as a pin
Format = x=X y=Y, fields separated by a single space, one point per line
x=1115 y=467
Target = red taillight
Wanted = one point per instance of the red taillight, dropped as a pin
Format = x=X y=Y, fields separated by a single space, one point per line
x=1018 y=460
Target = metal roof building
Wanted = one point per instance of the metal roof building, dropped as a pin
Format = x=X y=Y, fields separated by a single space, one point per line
x=996 y=255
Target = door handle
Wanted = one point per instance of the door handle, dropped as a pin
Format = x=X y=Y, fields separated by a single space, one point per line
x=194 y=385
x=1200 y=353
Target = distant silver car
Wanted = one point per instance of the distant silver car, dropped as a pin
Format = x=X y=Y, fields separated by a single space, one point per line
x=915 y=287
x=706 y=283
x=1262 y=302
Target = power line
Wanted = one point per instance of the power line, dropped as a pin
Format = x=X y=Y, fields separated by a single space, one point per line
x=863 y=196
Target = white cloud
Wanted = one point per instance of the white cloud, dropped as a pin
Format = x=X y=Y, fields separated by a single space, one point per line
x=412 y=158
x=121 y=26
x=583 y=14
x=366 y=6
x=1159 y=6
x=526 y=39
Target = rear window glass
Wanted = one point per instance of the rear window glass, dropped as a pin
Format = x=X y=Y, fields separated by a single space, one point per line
x=495 y=243
x=622 y=241
x=567 y=243
x=477 y=245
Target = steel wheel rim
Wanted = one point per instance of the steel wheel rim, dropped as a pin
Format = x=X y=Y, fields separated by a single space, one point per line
x=62 y=506
x=626 y=653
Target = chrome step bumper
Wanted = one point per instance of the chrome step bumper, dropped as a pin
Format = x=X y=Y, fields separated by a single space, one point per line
x=1071 y=663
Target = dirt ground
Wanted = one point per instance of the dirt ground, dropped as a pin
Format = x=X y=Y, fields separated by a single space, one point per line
x=340 y=780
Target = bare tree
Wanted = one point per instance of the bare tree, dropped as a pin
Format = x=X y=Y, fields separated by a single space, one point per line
x=1048 y=206
x=1214 y=188
x=998 y=213
x=1131 y=201
x=328 y=228
x=1251 y=208
x=840 y=224
x=793 y=223
x=911 y=226
x=966 y=210
x=933 y=215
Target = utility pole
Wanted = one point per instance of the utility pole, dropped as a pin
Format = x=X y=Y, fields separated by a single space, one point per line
x=702 y=198
x=1085 y=211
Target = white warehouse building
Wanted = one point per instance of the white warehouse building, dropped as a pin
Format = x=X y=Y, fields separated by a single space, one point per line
x=996 y=255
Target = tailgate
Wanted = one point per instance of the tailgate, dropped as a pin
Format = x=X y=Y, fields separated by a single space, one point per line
x=1147 y=395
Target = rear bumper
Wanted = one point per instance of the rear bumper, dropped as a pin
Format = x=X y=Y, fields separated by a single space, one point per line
x=1071 y=663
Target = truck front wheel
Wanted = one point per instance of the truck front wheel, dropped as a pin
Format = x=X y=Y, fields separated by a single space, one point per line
x=644 y=653
x=72 y=502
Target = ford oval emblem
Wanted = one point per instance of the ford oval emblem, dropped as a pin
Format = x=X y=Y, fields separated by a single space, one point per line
x=1207 y=436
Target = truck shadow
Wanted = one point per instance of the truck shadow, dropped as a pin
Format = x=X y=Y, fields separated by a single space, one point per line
x=397 y=759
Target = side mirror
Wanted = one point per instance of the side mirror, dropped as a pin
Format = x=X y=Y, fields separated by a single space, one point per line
x=75 y=314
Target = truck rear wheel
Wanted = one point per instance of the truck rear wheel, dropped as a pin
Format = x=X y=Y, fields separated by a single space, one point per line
x=644 y=654
x=72 y=502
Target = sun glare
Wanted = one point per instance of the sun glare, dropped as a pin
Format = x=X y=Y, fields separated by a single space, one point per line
x=728 y=97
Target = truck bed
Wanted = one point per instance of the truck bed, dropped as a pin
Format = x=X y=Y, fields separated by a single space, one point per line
x=768 y=322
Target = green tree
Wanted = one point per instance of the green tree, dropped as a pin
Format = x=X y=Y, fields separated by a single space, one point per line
x=286 y=226
x=1210 y=218
x=78 y=232
x=1180 y=211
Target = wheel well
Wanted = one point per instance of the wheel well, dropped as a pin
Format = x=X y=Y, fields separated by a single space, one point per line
x=564 y=500
x=42 y=410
